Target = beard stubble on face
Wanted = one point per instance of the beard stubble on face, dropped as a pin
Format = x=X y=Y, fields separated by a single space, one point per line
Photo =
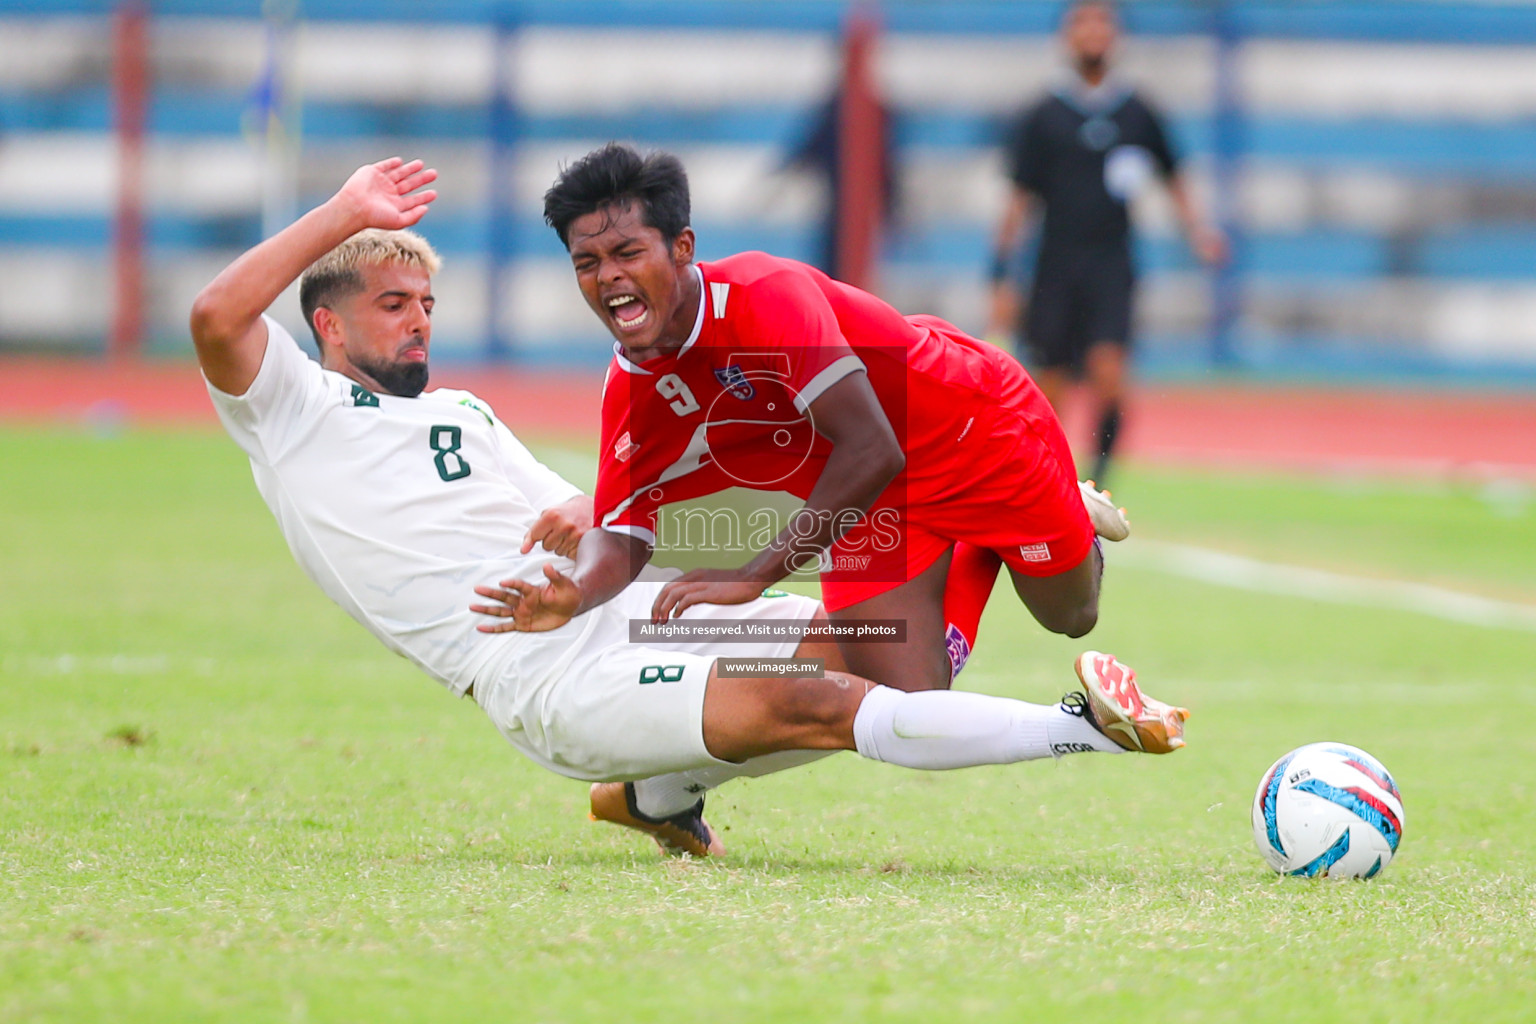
x=404 y=380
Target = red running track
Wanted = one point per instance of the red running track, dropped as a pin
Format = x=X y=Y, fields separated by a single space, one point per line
x=1420 y=432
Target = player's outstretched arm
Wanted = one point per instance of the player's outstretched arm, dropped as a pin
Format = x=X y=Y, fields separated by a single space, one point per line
x=1207 y=241
x=866 y=457
x=1004 y=311
x=560 y=527
x=226 y=316
x=606 y=563
x=525 y=607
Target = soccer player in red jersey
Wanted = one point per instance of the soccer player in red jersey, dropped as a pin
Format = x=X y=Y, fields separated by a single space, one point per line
x=904 y=436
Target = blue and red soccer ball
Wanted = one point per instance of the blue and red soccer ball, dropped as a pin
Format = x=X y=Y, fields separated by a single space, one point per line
x=1328 y=810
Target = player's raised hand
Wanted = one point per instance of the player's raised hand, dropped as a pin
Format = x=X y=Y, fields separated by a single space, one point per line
x=384 y=195
x=703 y=586
x=1210 y=245
x=561 y=527
x=527 y=607
x=1003 y=313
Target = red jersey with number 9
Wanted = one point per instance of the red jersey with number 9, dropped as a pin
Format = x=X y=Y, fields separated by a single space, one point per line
x=731 y=408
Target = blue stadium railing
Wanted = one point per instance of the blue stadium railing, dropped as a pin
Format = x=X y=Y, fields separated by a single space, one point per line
x=1416 y=21
x=1489 y=151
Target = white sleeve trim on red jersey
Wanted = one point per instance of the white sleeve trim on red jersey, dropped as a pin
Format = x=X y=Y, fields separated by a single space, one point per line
x=826 y=378
x=624 y=364
x=638 y=532
x=698 y=321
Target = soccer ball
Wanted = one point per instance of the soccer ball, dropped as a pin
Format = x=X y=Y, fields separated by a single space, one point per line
x=1327 y=809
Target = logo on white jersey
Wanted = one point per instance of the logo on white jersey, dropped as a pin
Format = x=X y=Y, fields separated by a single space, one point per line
x=1035 y=552
x=623 y=448
x=480 y=407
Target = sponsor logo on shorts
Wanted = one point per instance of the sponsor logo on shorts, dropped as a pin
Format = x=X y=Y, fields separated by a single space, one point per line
x=661 y=674
x=623 y=448
x=1071 y=748
x=1035 y=552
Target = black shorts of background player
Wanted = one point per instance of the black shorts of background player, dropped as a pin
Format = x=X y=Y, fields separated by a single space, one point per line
x=1082 y=152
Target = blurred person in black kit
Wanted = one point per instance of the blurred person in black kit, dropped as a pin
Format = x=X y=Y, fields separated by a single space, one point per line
x=1082 y=152
x=820 y=154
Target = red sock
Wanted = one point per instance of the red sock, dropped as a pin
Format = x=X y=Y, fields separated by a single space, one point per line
x=972 y=573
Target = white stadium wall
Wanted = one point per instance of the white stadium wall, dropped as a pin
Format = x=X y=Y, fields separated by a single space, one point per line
x=1381 y=215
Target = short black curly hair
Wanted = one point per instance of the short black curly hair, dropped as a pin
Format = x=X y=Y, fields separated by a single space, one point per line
x=613 y=177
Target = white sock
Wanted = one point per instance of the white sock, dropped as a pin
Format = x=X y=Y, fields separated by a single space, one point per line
x=939 y=729
x=665 y=795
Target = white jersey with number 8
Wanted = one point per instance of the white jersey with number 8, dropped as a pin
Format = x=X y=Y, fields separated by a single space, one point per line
x=398 y=507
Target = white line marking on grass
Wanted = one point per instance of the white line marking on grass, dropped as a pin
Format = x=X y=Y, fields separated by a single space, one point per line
x=1240 y=573
x=103 y=664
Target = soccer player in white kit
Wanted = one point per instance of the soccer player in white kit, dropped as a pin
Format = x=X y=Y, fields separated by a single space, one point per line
x=398 y=501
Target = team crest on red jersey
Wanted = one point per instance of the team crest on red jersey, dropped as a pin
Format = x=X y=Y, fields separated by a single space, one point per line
x=735 y=382
x=623 y=448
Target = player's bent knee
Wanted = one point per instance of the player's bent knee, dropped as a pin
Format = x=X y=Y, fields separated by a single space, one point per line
x=1082 y=623
x=1073 y=621
x=750 y=717
x=1082 y=619
x=808 y=707
x=911 y=674
x=1067 y=603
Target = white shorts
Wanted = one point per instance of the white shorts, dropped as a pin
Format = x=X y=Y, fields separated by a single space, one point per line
x=621 y=710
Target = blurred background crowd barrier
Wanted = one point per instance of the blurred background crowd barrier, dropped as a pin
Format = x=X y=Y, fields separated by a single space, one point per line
x=1374 y=161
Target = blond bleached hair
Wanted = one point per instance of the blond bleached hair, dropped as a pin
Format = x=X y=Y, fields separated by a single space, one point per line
x=338 y=273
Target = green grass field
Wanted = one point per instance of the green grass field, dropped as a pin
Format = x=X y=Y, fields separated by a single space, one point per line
x=221 y=800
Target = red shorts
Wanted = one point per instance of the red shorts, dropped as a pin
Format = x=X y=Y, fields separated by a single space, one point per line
x=1009 y=485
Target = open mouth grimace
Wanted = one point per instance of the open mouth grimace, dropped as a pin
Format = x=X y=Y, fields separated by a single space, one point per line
x=627 y=311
